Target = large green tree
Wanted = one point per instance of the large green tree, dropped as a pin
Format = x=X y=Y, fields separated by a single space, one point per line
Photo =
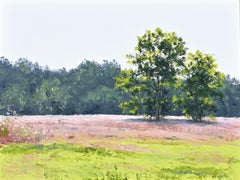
x=200 y=86
x=158 y=59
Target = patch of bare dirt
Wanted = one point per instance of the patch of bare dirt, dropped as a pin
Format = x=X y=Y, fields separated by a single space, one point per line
x=106 y=126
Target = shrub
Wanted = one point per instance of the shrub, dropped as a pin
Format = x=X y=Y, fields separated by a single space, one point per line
x=11 y=131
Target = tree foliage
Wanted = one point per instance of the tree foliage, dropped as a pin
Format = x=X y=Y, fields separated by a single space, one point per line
x=161 y=78
x=201 y=86
x=230 y=103
x=27 y=88
x=158 y=59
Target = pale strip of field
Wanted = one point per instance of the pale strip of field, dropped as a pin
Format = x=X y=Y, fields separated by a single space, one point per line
x=176 y=127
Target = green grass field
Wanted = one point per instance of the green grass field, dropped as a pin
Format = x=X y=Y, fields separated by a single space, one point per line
x=122 y=159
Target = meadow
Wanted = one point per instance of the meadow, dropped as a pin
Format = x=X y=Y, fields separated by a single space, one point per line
x=120 y=156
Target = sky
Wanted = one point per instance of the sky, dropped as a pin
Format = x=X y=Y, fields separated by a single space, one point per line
x=62 y=33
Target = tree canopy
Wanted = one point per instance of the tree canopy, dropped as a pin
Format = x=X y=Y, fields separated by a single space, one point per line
x=200 y=86
x=27 y=88
x=163 y=80
x=158 y=59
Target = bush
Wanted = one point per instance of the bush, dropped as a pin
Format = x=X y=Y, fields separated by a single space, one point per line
x=11 y=131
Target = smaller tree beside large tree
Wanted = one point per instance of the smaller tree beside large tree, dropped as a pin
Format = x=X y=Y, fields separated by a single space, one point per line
x=200 y=86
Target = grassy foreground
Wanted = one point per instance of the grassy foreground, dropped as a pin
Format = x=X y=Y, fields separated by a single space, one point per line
x=132 y=159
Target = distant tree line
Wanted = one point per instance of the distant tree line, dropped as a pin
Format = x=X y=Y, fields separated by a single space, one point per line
x=229 y=105
x=29 y=89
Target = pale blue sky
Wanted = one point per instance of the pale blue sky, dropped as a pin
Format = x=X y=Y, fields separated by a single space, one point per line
x=62 y=33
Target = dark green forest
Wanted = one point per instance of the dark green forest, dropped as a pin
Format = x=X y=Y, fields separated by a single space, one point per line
x=26 y=88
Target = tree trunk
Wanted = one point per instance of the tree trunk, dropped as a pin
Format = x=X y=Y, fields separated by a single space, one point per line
x=158 y=105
